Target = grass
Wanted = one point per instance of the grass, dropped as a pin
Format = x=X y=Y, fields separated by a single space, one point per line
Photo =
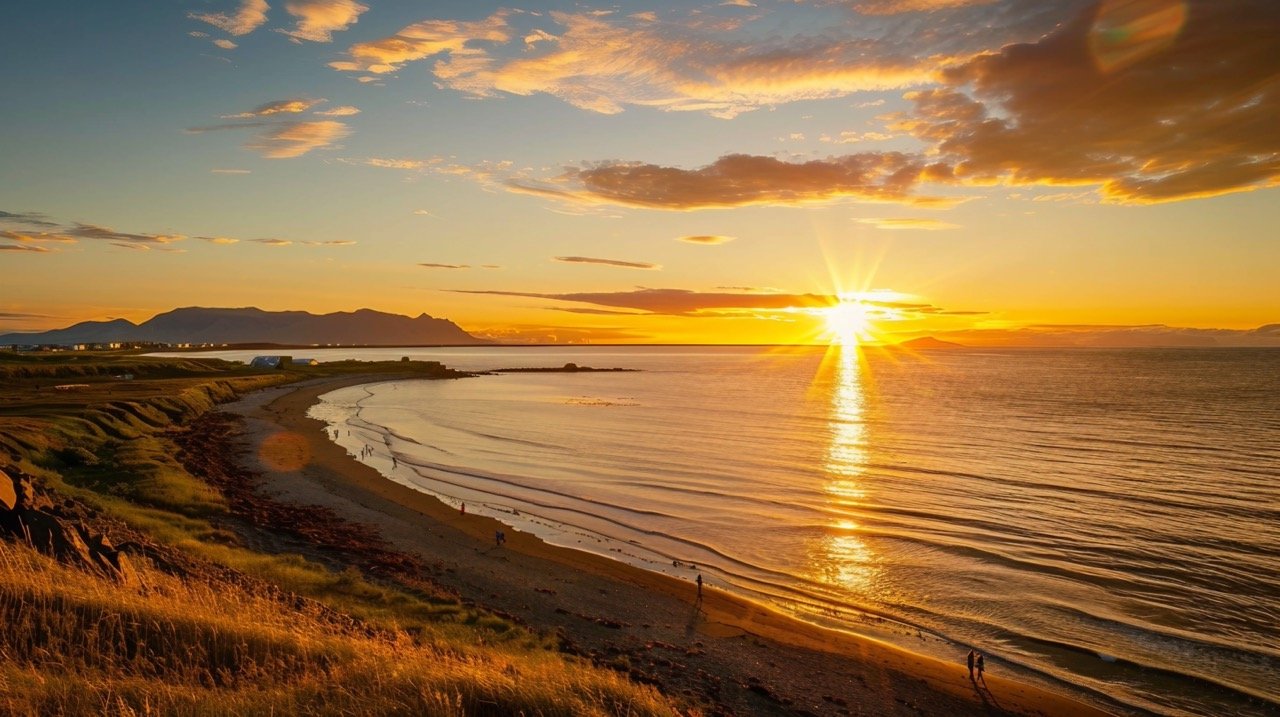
x=251 y=632
x=74 y=643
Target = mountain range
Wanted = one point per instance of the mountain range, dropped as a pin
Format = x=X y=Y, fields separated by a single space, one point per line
x=251 y=326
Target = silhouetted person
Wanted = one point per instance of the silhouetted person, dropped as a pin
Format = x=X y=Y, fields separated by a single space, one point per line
x=981 y=666
x=462 y=509
x=497 y=538
x=699 y=586
x=972 y=656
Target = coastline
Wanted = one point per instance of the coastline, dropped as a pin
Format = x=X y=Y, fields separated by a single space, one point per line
x=736 y=652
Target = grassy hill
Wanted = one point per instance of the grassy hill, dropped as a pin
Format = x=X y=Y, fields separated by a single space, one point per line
x=210 y=620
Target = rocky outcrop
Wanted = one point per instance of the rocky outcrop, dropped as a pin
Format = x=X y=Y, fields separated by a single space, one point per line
x=28 y=515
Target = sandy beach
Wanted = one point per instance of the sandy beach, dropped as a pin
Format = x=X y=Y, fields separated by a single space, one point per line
x=725 y=654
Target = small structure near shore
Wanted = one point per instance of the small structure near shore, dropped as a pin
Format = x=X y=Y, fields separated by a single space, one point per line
x=271 y=362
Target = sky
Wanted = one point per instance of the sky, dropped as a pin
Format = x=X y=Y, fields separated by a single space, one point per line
x=992 y=172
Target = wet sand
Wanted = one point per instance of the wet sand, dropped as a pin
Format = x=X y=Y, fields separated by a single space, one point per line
x=725 y=654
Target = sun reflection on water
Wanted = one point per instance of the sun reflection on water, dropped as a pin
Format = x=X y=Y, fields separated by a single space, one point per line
x=842 y=558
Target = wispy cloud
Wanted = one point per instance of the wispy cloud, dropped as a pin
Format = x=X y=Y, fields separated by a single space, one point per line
x=296 y=105
x=740 y=180
x=319 y=19
x=249 y=16
x=328 y=243
x=684 y=302
x=224 y=241
x=907 y=223
x=608 y=262
x=28 y=218
x=272 y=242
x=230 y=171
x=294 y=139
x=706 y=239
x=340 y=111
x=225 y=44
x=34 y=248
x=603 y=63
x=127 y=239
x=431 y=265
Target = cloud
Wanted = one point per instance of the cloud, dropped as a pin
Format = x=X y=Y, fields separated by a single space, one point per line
x=603 y=63
x=607 y=262
x=25 y=247
x=28 y=237
x=225 y=241
x=907 y=223
x=328 y=243
x=740 y=180
x=444 y=266
x=319 y=19
x=29 y=218
x=706 y=239
x=272 y=242
x=225 y=44
x=424 y=213
x=393 y=163
x=294 y=139
x=425 y=39
x=124 y=239
x=738 y=3
x=340 y=111
x=1149 y=100
x=895 y=7
x=248 y=17
x=277 y=107
x=684 y=302
x=230 y=171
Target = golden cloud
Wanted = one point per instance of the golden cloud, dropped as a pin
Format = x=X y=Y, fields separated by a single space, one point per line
x=278 y=107
x=340 y=111
x=294 y=139
x=603 y=63
x=319 y=19
x=248 y=17
x=422 y=40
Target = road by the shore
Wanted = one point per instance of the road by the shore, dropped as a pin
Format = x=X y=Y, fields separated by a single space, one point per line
x=726 y=653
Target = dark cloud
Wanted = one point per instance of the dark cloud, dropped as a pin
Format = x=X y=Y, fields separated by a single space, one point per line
x=1152 y=100
x=430 y=265
x=129 y=240
x=608 y=262
x=35 y=219
x=739 y=180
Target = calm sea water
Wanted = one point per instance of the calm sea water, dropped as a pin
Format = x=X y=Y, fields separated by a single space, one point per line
x=1104 y=521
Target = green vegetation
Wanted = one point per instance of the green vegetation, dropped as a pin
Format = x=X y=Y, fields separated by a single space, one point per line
x=213 y=625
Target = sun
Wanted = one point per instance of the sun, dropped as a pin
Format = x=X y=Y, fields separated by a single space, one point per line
x=848 y=322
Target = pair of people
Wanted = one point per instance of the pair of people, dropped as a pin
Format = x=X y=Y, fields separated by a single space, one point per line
x=976 y=660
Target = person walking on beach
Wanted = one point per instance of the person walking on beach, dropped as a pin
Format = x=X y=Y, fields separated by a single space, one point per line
x=972 y=656
x=462 y=509
x=981 y=666
x=497 y=538
x=699 y=581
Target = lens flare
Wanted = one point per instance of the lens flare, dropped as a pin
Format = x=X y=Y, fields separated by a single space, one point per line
x=284 y=451
x=848 y=322
x=1128 y=31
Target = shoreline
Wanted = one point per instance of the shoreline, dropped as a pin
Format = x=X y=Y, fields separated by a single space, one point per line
x=610 y=607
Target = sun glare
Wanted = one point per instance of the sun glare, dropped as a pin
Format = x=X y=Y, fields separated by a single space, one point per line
x=848 y=322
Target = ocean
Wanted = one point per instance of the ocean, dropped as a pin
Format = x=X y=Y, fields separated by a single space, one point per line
x=1103 y=522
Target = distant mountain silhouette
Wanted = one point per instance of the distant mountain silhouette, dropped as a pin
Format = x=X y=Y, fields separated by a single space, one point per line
x=250 y=326
x=929 y=342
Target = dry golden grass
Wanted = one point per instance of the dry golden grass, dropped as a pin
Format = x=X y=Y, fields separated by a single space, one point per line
x=74 y=643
